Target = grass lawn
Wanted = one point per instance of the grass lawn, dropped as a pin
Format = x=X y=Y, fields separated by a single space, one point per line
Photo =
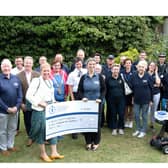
x=113 y=149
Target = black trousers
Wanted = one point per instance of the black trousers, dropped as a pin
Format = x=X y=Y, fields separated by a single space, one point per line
x=117 y=112
x=108 y=112
x=75 y=95
x=27 y=120
x=18 y=123
x=94 y=137
x=75 y=135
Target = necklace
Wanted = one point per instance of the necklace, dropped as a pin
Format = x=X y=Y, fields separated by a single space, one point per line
x=49 y=84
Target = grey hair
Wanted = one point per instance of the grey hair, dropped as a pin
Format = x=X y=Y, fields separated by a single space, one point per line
x=89 y=60
x=28 y=57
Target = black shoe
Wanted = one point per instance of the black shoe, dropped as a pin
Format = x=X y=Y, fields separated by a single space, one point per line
x=74 y=136
x=151 y=127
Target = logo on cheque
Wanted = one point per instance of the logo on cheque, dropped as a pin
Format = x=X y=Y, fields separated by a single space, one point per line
x=52 y=109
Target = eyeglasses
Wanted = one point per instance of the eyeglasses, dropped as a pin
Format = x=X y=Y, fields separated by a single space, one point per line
x=57 y=65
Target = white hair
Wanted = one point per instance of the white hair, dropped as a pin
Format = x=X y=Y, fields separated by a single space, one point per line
x=6 y=62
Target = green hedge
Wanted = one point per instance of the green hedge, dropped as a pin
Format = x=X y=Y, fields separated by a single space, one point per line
x=44 y=35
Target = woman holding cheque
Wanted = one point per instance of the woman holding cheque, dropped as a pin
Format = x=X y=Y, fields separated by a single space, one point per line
x=41 y=93
x=92 y=87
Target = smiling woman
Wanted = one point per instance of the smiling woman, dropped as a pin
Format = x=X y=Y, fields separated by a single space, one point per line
x=44 y=95
x=92 y=87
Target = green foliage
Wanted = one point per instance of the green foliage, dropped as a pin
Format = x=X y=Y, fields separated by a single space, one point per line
x=48 y=35
x=132 y=53
x=159 y=44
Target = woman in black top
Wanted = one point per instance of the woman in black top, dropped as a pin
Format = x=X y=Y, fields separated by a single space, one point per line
x=116 y=97
x=127 y=73
x=153 y=72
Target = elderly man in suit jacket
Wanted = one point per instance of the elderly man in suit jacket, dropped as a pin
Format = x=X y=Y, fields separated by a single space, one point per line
x=26 y=76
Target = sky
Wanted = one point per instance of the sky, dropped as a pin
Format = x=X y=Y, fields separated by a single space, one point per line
x=83 y=8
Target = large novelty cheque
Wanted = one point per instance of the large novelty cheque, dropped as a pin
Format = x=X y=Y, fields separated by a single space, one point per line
x=71 y=117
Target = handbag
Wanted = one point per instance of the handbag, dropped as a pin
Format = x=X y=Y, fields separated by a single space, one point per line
x=127 y=89
x=28 y=104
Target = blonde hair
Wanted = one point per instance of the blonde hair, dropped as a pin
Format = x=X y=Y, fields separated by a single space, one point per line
x=45 y=65
x=116 y=65
x=142 y=63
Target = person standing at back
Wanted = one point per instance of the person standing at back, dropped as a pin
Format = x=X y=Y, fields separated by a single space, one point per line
x=42 y=60
x=122 y=60
x=106 y=71
x=59 y=58
x=80 y=54
x=19 y=68
x=59 y=78
x=73 y=82
x=142 y=57
x=162 y=71
x=162 y=65
x=26 y=77
x=19 y=65
x=97 y=57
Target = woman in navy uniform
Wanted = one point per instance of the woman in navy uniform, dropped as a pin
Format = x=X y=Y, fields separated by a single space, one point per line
x=92 y=87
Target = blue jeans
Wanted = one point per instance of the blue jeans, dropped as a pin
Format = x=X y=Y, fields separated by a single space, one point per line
x=154 y=107
x=138 y=109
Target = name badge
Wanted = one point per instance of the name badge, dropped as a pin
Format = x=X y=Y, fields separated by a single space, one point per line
x=120 y=81
x=15 y=84
x=96 y=82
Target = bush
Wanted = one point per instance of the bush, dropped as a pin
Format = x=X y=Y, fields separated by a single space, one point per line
x=132 y=53
x=45 y=35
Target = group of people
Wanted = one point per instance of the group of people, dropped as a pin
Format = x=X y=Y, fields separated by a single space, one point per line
x=30 y=91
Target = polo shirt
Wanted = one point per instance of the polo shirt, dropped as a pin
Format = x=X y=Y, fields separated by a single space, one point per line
x=115 y=87
x=74 y=78
x=91 y=87
x=10 y=92
x=142 y=88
